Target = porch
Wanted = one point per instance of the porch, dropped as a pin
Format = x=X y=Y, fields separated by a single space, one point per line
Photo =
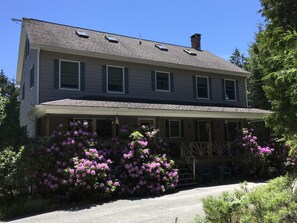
x=200 y=135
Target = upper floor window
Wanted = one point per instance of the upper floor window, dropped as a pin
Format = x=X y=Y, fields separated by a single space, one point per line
x=174 y=129
x=32 y=77
x=202 y=87
x=69 y=75
x=27 y=48
x=162 y=81
x=115 y=79
x=230 y=90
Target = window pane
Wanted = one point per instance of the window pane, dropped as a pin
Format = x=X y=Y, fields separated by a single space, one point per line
x=104 y=128
x=115 y=79
x=202 y=131
x=202 y=87
x=32 y=77
x=162 y=81
x=174 y=128
x=69 y=75
x=230 y=90
x=232 y=131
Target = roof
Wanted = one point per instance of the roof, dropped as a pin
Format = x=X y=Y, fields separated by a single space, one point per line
x=48 y=35
x=153 y=109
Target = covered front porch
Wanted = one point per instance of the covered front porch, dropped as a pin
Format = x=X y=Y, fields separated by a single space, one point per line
x=198 y=135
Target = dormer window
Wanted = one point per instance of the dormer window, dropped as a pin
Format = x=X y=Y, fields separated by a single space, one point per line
x=82 y=34
x=111 y=39
x=161 y=47
x=188 y=51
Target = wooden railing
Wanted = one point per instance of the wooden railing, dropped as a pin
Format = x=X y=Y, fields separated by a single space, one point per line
x=192 y=151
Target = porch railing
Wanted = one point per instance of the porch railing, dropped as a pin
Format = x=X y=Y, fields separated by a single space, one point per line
x=192 y=151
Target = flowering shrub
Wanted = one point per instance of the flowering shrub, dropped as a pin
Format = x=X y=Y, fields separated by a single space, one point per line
x=256 y=161
x=74 y=163
x=143 y=173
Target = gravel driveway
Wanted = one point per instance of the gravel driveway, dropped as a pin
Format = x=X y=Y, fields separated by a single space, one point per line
x=184 y=205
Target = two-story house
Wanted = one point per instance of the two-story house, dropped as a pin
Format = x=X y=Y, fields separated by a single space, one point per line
x=194 y=97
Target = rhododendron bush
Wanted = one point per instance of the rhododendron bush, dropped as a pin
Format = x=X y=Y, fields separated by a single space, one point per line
x=75 y=163
x=256 y=159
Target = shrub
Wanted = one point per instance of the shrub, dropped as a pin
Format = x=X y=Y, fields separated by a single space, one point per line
x=140 y=172
x=254 y=159
x=73 y=163
x=12 y=176
x=274 y=202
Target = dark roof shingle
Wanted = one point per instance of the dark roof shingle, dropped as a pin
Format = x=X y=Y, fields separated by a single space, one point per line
x=43 y=33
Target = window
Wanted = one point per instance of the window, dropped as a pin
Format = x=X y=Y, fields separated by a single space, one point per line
x=111 y=39
x=104 y=128
x=232 y=130
x=162 y=81
x=27 y=50
x=174 y=129
x=190 y=52
x=32 y=77
x=202 y=131
x=202 y=87
x=230 y=90
x=147 y=122
x=161 y=47
x=69 y=75
x=115 y=79
x=23 y=91
x=83 y=120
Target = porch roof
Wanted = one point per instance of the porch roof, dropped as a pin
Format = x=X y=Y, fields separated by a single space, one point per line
x=103 y=107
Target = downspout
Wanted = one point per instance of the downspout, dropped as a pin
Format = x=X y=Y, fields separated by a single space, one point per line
x=37 y=90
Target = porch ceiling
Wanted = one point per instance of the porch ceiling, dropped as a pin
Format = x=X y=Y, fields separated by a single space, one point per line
x=90 y=107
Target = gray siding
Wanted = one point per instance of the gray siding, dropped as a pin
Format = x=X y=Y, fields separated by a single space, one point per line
x=30 y=93
x=139 y=81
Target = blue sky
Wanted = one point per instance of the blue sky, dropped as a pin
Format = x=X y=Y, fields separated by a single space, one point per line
x=224 y=25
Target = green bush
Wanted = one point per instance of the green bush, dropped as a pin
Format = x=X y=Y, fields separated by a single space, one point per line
x=273 y=203
x=11 y=175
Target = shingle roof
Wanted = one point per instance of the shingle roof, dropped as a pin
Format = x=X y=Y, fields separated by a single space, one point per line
x=42 y=34
x=151 y=106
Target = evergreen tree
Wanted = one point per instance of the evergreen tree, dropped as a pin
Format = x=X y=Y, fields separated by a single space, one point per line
x=10 y=132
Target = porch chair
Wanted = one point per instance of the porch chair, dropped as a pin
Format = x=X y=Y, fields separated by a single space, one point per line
x=205 y=174
x=224 y=171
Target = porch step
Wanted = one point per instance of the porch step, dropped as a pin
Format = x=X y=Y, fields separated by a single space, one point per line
x=185 y=175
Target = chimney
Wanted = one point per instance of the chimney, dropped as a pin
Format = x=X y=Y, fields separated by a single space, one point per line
x=196 y=41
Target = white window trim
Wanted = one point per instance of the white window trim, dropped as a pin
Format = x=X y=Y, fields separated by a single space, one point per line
x=33 y=77
x=123 y=74
x=207 y=88
x=169 y=81
x=69 y=89
x=235 y=92
x=147 y=119
x=179 y=124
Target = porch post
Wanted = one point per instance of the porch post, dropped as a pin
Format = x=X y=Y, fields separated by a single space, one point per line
x=47 y=125
x=209 y=139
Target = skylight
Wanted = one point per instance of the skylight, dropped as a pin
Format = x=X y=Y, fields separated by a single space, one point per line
x=190 y=52
x=82 y=34
x=111 y=39
x=161 y=47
